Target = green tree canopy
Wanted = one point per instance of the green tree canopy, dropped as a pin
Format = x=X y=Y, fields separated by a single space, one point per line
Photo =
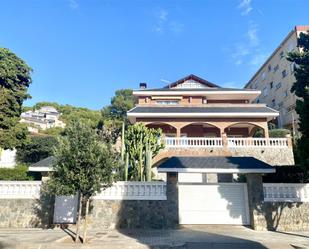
x=14 y=82
x=301 y=89
x=120 y=104
x=38 y=148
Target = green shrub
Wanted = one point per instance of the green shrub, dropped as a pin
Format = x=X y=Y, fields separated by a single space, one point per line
x=19 y=173
x=272 y=133
x=279 y=132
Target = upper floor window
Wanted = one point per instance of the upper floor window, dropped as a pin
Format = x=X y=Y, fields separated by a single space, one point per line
x=276 y=68
x=273 y=103
x=265 y=91
x=281 y=54
x=263 y=75
x=278 y=85
x=292 y=67
x=167 y=102
x=271 y=85
x=284 y=73
x=286 y=93
x=269 y=67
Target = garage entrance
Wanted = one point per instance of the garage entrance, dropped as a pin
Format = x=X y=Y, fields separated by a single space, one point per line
x=222 y=203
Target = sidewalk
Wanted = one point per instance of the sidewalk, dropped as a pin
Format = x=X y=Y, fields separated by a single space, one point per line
x=190 y=237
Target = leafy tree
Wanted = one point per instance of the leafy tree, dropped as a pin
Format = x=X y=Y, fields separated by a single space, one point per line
x=280 y=133
x=14 y=82
x=54 y=131
x=301 y=89
x=38 y=148
x=138 y=140
x=83 y=164
x=120 y=104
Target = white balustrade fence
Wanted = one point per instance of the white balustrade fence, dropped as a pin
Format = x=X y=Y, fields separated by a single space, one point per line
x=193 y=142
x=286 y=192
x=20 y=189
x=119 y=190
x=134 y=191
x=212 y=142
x=257 y=142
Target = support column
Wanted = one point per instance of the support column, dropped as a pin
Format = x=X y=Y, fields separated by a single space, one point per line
x=266 y=133
x=172 y=218
x=178 y=132
x=224 y=139
x=255 y=201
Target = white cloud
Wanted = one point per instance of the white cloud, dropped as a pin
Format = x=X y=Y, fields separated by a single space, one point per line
x=163 y=23
x=245 y=7
x=73 y=4
x=252 y=35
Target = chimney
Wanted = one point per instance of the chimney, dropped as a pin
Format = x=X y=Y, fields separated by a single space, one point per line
x=143 y=85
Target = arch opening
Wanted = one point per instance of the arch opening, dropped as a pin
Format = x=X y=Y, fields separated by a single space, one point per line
x=167 y=129
x=244 y=130
x=200 y=130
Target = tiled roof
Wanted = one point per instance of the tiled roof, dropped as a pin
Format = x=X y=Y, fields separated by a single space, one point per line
x=214 y=89
x=214 y=163
x=150 y=109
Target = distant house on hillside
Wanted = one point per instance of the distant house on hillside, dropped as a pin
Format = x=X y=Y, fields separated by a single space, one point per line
x=44 y=118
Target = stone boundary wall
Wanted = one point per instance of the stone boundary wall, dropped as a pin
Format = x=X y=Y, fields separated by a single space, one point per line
x=283 y=216
x=104 y=214
x=272 y=156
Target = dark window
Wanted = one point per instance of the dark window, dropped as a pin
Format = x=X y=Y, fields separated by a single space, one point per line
x=271 y=85
x=281 y=54
x=269 y=68
x=276 y=68
x=284 y=73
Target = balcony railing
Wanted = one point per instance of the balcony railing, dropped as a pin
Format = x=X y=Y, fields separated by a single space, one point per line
x=257 y=142
x=193 y=142
x=215 y=142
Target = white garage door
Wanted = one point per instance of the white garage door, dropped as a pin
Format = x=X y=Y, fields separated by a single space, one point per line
x=223 y=203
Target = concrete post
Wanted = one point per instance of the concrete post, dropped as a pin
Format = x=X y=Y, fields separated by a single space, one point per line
x=290 y=144
x=172 y=199
x=255 y=201
x=224 y=139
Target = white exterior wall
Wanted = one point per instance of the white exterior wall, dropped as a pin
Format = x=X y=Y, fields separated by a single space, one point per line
x=7 y=158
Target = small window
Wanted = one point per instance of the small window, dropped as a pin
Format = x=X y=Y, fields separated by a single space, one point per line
x=167 y=102
x=263 y=75
x=286 y=93
x=258 y=101
x=269 y=68
x=292 y=67
x=276 y=68
x=273 y=103
x=265 y=91
x=271 y=84
x=278 y=85
x=284 y=73
x=281 y=54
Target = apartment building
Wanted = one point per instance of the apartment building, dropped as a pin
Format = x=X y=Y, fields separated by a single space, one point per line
x=44 y=118
x=275 y=79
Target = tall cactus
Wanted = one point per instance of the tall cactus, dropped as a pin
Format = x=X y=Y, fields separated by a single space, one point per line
x=148 y=163
x=126 y=166
x=122 y=143
x=140 y=161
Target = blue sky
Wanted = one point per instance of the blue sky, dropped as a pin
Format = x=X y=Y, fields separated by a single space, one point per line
x=83 y=50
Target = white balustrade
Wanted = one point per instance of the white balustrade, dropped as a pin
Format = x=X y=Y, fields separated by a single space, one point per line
x=20 y=189
x=286 y=192
x=205 y=142
x=193 y=142
x=257 y=142
x=134 y=191
x=118 y=191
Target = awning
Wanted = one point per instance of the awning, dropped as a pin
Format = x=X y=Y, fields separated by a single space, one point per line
x=44 y=165
x=215 y=165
